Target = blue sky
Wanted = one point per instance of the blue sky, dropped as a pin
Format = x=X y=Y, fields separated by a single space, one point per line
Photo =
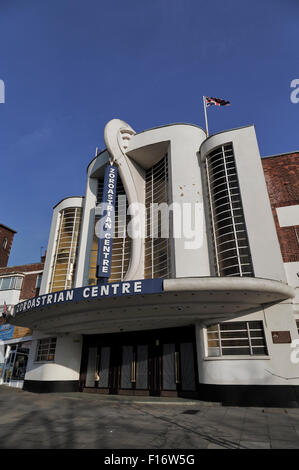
x=70 y=66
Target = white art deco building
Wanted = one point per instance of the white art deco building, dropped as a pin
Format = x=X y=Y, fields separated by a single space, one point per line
x=209 y=313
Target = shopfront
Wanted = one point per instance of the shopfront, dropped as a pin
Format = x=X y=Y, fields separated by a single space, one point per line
x=154 y=362
x=14 y=351
x=15 y=363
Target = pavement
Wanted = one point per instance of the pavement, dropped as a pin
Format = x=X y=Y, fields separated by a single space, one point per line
x=92 y=421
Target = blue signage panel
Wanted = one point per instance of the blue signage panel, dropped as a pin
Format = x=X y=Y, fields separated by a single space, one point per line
x=107 y=223
x=100 y=291
x=6 y=331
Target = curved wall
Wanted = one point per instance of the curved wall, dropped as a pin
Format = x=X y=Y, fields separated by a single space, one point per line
x=262 y=236
x=67 y=203
x=232 y=253
x=134 y=155
x=189 y=246
x=63 y=373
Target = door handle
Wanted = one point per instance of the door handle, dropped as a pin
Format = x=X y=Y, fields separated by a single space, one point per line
x=177 y=367
x=133 y=374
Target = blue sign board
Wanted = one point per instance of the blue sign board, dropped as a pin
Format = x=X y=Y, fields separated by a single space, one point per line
x=6 y=331
x=107 y=223
x=100 y=291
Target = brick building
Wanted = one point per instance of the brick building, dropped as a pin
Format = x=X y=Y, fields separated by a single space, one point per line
x=31 y=274
x=16 y=283
x=6 y=239
x=282 y=179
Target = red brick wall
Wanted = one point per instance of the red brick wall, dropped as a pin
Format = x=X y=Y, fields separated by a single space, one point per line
x=4 y=252
x=282 y=179
x=23 y=268
x=28 y=289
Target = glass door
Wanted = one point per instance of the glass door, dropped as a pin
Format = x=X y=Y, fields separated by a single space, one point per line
x=154 y=364
x=141 y=367
x=170 y=365
x=157 y=362
x=178 y=367
x=9 y=364
x=187 y=367
x=20 y=363
x=2 y=359
x=134 y=367
x=103 y=367
x=114 y=371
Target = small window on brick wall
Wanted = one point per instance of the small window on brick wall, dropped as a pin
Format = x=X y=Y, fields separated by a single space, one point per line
x=237 y=339
x=38 y=281
x=10 y=282
x=46 y=349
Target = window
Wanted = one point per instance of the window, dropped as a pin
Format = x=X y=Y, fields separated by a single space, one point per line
x=156 y=248
x=38 y=281
x=6 y=283
x=11 y=282
x=231 y=246
x=66 y=249
x=18 y=282
x=121 y=247
x=4 y=243
x=237 y=338
x=46 y=349
x=297 y=323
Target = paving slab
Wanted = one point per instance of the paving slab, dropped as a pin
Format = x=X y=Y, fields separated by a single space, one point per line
x=255 y=444
x=91 y=421
x=279 y=444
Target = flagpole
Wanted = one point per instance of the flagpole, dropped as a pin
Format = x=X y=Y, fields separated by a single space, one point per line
x=206 y=117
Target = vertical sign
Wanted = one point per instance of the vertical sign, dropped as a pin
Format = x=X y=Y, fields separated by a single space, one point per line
x=107 y=223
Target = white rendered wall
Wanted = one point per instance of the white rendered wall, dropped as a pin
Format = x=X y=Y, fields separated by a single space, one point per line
x=263 y=241
x=87 y=224
x=292 y=273
x=288 y=216
x=9 y=296
x=183 y=142
x=67 y=359
x=47 y=273
x=185 y=187
x=275 y=369
x=128 y=171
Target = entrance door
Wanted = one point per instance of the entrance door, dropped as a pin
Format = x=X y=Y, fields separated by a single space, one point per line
x=9 y=365
x=102 y=370
x=178 y=365
x=154 y=371
x=170 y=376
x=157 y=362
x=114 y=372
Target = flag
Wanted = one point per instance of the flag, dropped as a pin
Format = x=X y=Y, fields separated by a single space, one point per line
x=5 y=310
x=216 y=102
